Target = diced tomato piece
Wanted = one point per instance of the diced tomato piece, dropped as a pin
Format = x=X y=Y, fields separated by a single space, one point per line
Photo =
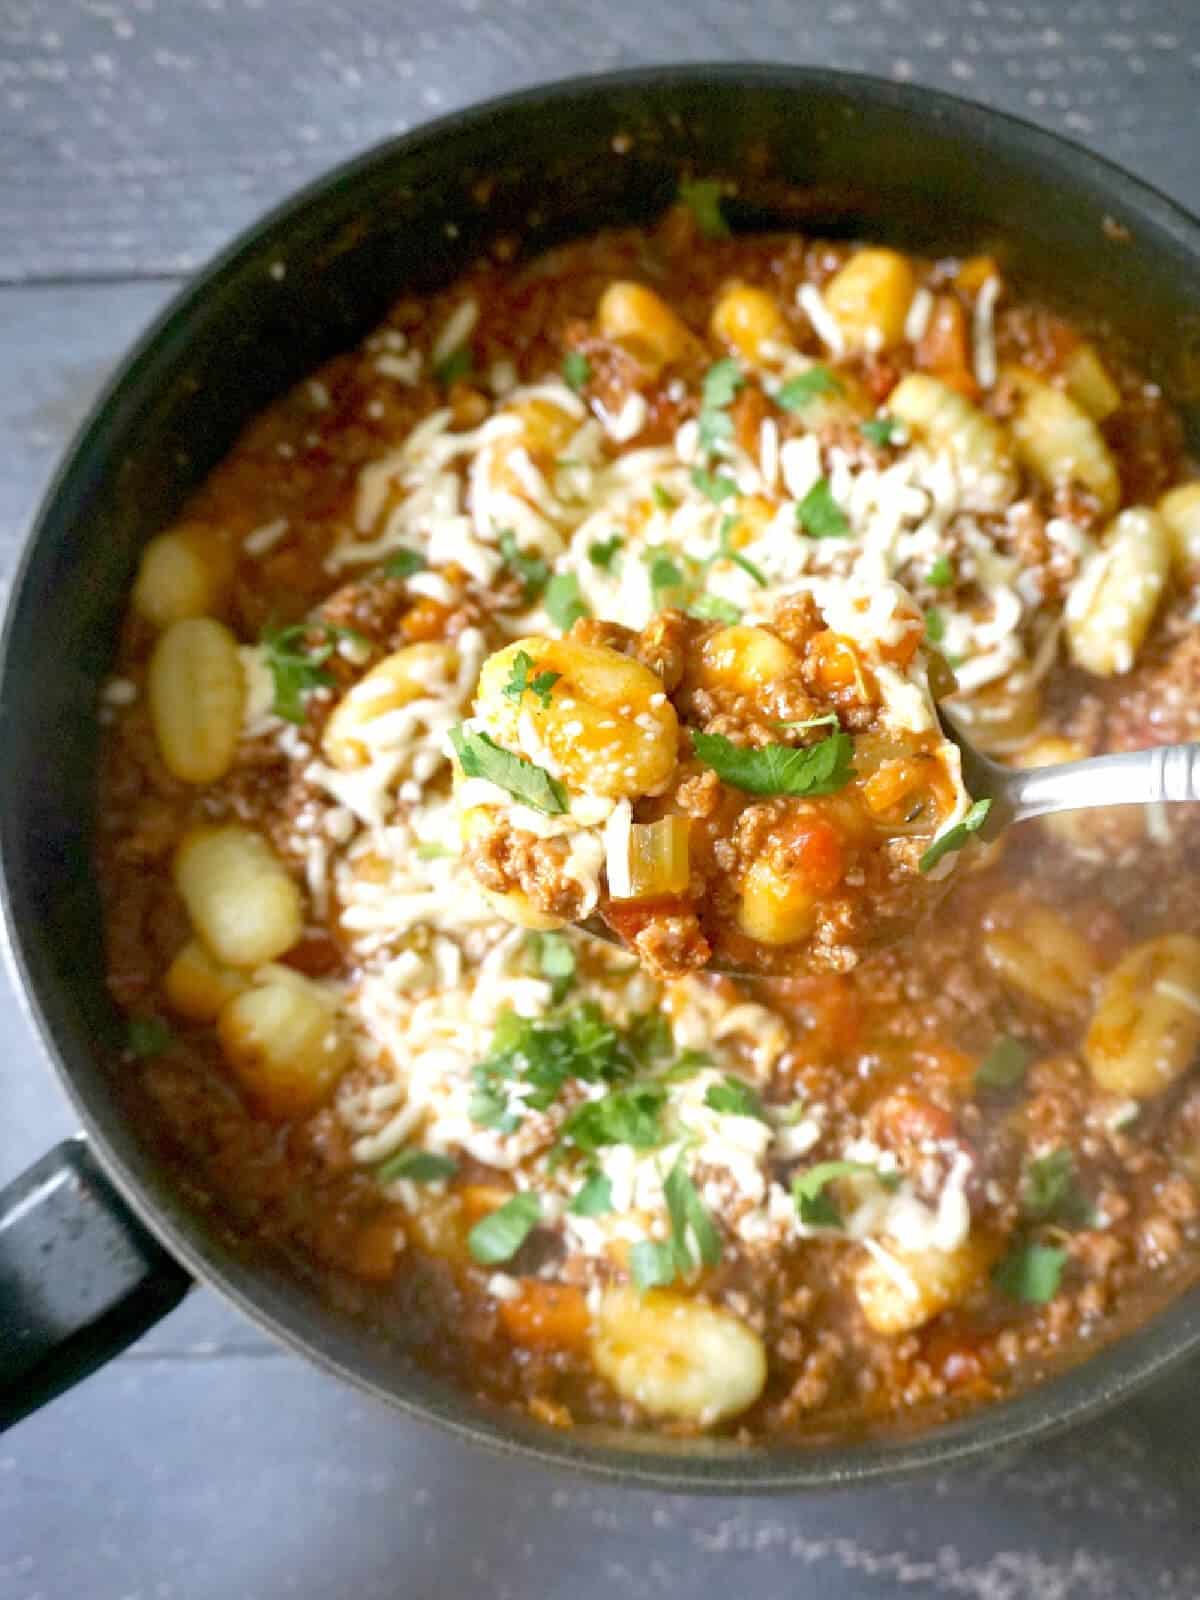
x=546 y=1316
x=815 y=855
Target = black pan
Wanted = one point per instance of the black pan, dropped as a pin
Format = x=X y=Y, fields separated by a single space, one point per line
x=100 y=1237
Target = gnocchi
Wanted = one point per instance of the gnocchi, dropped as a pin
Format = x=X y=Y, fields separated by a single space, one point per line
x=673 y=1356
x=419 y=671
x=748 y=319
x=1179 y=509
x=1059 y=442
x=196 y=691
x=634 y=316
x=904 y=1289
x=1114 y=600
x=1145 y=1030
x=1038 y=956
x=946 y=420
x=869 y=299
x=185 y=572
x=197 y=985
x=241 y=900
x=285 y=1044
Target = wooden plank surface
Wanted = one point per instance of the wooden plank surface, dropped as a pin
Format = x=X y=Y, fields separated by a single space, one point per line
x=140 y=134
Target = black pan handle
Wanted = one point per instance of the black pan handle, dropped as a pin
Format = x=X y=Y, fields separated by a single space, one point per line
x=80 y=1278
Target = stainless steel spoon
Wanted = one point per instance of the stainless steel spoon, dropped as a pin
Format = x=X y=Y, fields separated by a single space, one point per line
x=1167 y=774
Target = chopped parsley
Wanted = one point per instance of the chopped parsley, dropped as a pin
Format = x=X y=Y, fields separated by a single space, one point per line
x=1030 y=1272
x=576 y=370
x=652 y=1264
x=499 y=1236
x=625 y=1116
x=147 y=1036
x=941 y=573
x=537 y=1056
x=603 y=552
x=593 y=1198
x=428 y=850
x=665 y=576
x=481 y=757
x=454 y=366
x=702 y=197
x=416 y=1166
x=819 y=516
x=649 y=1038
x=822 y=768
x=713 y=485
x=663 y=498
x=1050 y=1191
x=721 y=384
x=690 y=1222
x=403 y=563
x=563 y=601
x=818 y=1209
x=553 y=957
x=712 y=608
x=1004 y=1065
x=734 y=1098
x=935 y=625
x=879 y=430
x=533 y=572
x=798 y=392
x=520 y=683
x=297 y=666
x=954 y=838
x=726 y=551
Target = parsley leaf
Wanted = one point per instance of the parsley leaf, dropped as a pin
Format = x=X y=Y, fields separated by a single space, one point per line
x=797 y=392
x=726 y=551
x=499 y=1236
x=689 y=1218
x=665 y=576
x=663 y=498
x=594 y=1198
x=603 y=552
x=481 y=757
x=520 y=682
x=822 y=768
x=935 y=625
x=1004 y=1065
x=563 y=601
x=879 y=430
x=819 y=515
x=721 y=383
x=652 y=1264
x=941 y=573
x=539 y=1055
x=734 y=1098
x=454 y=366
x=1050 y=1191
x=954 y=838
x=554 y=959
x=711 y=608
x=714 y=485
x=417 y=1166
x=532 y=570
x=428 y=850
x=702 y=197
x=403 y=563
x=818 y=1209
x=297 y=666
x=1030 y=1272
x=649 y=1037
x=626 y=1116
x=576 y=369
x=147 y=1036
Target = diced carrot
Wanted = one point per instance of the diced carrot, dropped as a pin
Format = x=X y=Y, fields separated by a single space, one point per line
x=944 y=349
x=835 y=663
x=546 y=1316
x=376 y=1247
x=426 y=620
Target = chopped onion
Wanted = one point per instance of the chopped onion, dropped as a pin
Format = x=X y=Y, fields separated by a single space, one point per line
x=658 y=858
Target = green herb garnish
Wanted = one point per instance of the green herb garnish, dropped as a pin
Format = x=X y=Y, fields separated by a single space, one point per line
x=539 y=1055
x=594 y=1198
x=520 y=683
x=403 y=563
x=554 y=959
x=818 y=1209
x=879 y=430
x=1031 y=1272
x=147 y=1036
x=665 y=576
x=954 y=838
x=499 y=1236
x=713 y=485
x=1004 y=1065
x=453 y=367
x=941 y=573
x=689 y=1220
x=626 y=1116
x=702 y=197
x=576 y=369
x=734 y=1098
x=798 y=392
x=726 y=551
x=720 y=385
x=822 y=768
x=819 y=516
x=603 y=552
x=711 y=608
x=481 y=757
x=563 y=601
x=663 y=498
x=427 y=850
x=827 y=719
x=533 y=572
x=297 y=666
x=417 y=1166
x=1050 y=1191
x=652 y=1264
x=935 y=625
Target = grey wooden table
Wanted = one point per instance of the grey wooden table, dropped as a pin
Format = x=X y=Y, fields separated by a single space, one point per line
x=136 y=136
